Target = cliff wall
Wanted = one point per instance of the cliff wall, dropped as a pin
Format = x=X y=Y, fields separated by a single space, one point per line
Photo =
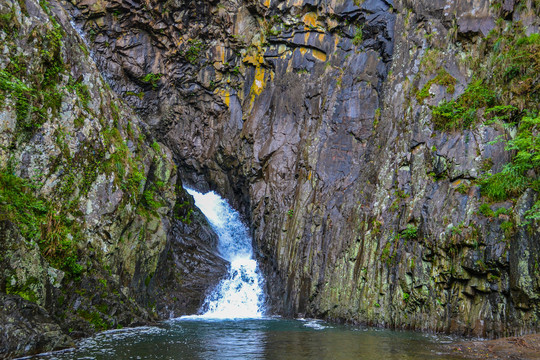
x=384 y=152
x=93 y=214
x=358 y=139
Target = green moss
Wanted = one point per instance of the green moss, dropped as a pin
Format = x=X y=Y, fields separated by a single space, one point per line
x=149 y=198
x=520 y=173
x=81 y=90
x=148 y=279
x=508 y=228
x=406 y=297
x=410 y=233
x=429 y=60
x=485 y=210
x=35 y=95
x=503 y=211
x=443 y=78
x=25 y=291
x=9 y=23
x=462 y=113
x=156 y=147
x=140 y=94
x=506 y=80
x=152 y=79
x=183 y=212
x=103 y=308
x=192 y=53
x=95 y=318
x=463 y=189
x=358 y=36
x=40 y=220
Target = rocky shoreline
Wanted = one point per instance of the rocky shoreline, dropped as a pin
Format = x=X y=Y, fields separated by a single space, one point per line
x=525 y=347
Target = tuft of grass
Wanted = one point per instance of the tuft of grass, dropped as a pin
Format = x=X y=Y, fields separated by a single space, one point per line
x=152 y=79
x=443 y=78
x=520 y=173
x=410 y=233
x=40 y=220
x=462 y=113
x=358 y=36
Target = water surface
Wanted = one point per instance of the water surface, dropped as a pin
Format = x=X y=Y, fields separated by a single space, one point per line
x=205 y=339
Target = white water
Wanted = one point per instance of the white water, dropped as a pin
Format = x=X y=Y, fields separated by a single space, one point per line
x=240 y=294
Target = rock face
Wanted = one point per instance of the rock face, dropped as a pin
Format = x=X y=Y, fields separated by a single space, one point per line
x=317 y=120
x=88 y=197
x=27 y=328
x=356 y=137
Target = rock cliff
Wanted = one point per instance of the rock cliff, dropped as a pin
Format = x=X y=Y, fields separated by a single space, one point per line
x=356 y=137
x=385 y=153
x=92 y=210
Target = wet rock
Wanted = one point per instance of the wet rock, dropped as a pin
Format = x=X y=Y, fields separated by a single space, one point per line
x=306 y=115
x=87 y=192
x=26 y=328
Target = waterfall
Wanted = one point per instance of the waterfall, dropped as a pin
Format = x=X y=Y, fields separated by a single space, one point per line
x=240 y=294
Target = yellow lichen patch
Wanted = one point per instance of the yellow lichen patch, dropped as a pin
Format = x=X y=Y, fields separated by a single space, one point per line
x=258 y=82
x=456 y=183
x=310 y=19
x=255 y=60
x=266 y=3
x=319 y=55
x=285 y=54
x=303 y=51
x=225 y=96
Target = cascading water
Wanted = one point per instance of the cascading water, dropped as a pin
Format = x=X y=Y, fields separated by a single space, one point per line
x=240 y=294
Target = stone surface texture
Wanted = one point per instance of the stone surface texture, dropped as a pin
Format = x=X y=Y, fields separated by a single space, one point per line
x=309 y=117
x=87 y=253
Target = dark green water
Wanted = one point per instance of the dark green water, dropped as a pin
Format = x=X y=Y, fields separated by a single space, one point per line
x=258 y=339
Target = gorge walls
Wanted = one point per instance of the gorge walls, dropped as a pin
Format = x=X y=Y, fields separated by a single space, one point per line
x=317 y=120
x=356 y=137
x=93 y=214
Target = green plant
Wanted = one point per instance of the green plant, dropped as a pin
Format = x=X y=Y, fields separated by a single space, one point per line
x=534 y=212
x=406 y=297
x=517 y=175
x=358 y=36
x=443 y=78
x=152 y=79
x=485 y=210
x=463 y=189
x=462 y=112
x=95 y=318
x=502 y=211
x=508 y=228
x=183 y=212
x=40 y=220
x=192 y=53
x=35 y=96
x=410 y=233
